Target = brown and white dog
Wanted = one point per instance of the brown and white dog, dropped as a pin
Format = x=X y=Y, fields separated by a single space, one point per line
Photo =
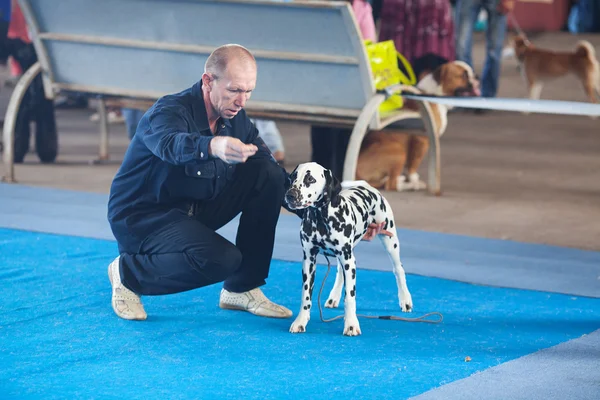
x=385 y=155
x=540 y=65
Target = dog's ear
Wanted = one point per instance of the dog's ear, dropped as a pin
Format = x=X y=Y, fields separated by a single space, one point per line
x=289 y=179
x=332 y=189
x=439 y=74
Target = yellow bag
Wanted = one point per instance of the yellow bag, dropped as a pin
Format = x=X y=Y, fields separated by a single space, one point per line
x=384 y=65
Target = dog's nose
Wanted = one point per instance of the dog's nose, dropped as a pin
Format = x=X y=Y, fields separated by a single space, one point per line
x=292 y=195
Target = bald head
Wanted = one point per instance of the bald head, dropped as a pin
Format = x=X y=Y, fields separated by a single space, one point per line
x=228 y=81
x=227 y=55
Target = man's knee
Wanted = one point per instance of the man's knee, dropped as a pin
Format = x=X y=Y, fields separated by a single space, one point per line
x=219 y=265
x=269 y=176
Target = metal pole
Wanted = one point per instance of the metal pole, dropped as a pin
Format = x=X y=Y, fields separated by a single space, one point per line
x=10 y=120
x=103 y=152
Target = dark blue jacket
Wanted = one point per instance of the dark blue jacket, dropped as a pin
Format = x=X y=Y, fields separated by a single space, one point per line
x=167 y=167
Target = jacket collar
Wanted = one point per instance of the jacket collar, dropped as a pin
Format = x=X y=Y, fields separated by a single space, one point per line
x=199 y=109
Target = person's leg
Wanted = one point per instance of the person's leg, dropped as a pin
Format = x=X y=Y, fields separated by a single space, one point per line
x=22 y=128
x=257 y=192
x=322 y=142
x=132 y=118
x=466 y=12
x=181 y=256
x=184 y=255
x=46 y=135
x=495 y=33
x=341 y=140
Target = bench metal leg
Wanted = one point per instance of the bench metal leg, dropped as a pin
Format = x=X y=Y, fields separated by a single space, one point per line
x=10 y=120
x=358 y=133
x=103 y=151
x=434 y=176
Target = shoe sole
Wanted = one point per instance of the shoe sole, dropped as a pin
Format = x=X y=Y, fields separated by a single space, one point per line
x=112 y=302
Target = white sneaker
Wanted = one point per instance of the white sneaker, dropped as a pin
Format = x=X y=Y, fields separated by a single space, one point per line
x=253 y=301
x=125 y=303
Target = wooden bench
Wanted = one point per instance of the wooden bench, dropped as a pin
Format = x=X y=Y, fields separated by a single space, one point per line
x=312 y=63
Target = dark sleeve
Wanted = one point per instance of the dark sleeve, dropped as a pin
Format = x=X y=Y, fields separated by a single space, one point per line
x=170 y=139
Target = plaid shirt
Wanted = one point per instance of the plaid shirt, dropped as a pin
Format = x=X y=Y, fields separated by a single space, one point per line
x=418 y=27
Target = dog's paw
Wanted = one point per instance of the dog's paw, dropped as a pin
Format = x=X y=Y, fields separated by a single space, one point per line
x=406 y=303
x=412 y=183
x=415 y=183
x=297 y=328
x=400 y=183
x=299 y=325
x=352 y=327
x=332 y=303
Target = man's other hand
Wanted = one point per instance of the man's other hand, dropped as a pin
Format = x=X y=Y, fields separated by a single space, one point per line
x=506 y=6
x=231 y=150
x=374 y=230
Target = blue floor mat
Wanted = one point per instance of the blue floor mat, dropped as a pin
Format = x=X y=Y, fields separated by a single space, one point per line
x=60 y=339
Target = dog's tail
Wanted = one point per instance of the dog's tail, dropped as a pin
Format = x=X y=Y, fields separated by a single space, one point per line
x=585 y=49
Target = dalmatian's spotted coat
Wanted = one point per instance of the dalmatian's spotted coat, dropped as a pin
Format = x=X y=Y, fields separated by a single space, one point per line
x=334 y=221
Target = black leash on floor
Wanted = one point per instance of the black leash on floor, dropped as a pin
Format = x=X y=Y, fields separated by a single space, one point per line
x=422 y=318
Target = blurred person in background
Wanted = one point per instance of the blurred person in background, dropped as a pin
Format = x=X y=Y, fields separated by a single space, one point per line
x=419 y=27
x=467 y=13
x=34 y=107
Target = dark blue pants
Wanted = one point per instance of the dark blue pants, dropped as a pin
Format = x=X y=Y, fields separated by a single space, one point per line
x=187 y=253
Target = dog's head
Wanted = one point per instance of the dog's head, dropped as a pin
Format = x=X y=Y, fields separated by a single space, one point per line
x=520 y=45
x=455 y=78
x=312 y=186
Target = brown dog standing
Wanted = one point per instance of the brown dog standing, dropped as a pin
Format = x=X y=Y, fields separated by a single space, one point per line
x=385 y=155
x=540 y=65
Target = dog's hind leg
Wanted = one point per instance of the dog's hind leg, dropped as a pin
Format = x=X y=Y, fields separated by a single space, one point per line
x=419 y=145
x=392 y=245
x=336 y=293
x=308 y=281
x=351 y=325
x=535 y=90
x=395 y=178
x=590 y=90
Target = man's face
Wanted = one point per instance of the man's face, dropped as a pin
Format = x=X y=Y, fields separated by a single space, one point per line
x=229 y=93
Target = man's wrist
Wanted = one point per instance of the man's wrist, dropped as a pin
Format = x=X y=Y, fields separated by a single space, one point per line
x=209 y=149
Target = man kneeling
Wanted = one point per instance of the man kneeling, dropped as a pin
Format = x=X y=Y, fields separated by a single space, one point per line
x=194 y=163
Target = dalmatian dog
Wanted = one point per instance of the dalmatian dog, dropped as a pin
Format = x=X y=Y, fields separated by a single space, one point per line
x=333 y=222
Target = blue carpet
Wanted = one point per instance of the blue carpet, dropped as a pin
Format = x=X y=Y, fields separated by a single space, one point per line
x=493 y=262
x=60 y=339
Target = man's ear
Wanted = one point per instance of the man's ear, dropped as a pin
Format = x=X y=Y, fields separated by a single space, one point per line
x=332 y=189
x=207 y=80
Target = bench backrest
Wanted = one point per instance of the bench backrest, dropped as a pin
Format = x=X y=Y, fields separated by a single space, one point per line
x=310 y=55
